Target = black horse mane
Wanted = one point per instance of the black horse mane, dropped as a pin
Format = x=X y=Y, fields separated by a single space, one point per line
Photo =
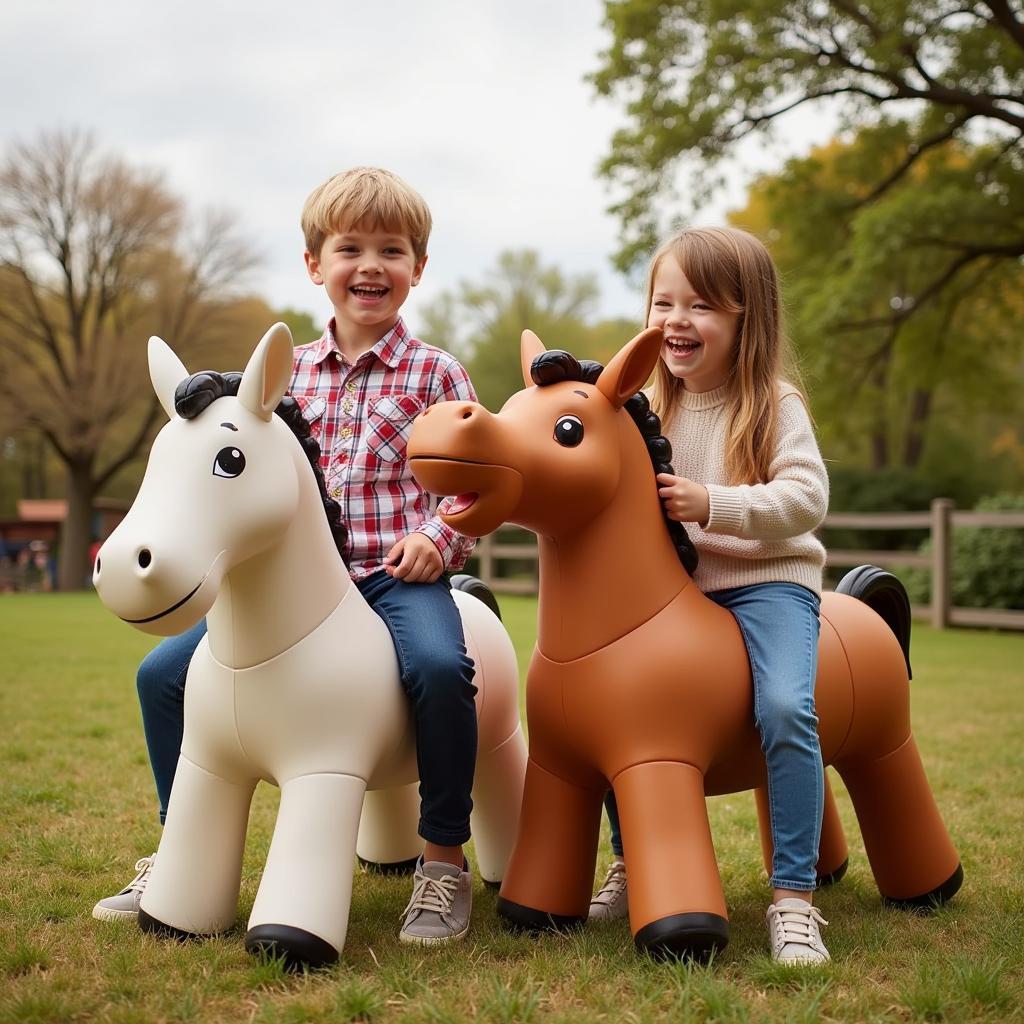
x=196 y=393
x=555 y=365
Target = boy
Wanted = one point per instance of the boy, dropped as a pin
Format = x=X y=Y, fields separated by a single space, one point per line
x=360 y=387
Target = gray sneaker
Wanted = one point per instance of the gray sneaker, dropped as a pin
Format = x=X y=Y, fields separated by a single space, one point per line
x=611 y=901
x=125 y=905
x=441 y=902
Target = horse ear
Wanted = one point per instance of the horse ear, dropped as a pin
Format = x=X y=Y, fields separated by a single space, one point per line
x=268 y=372
x=628 y=371
x=166 y=371
x=529 y=348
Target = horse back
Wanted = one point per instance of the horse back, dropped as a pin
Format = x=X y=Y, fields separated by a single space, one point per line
x=865 y=658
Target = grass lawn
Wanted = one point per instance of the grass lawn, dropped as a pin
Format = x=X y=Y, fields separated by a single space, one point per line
x=77 y=807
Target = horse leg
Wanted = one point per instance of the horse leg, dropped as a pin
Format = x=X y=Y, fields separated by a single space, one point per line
x=550 y=875
x=912 y=857
x=676 y=905
x=194 y=887
x=497 y=799
x=388 y=842
x=833 y=853
x=301 y=909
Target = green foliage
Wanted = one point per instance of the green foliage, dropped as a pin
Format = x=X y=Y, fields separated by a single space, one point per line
x=302 y=325
x=483 y=322
x=986 y=570
x=698 y=76
x=936 y=392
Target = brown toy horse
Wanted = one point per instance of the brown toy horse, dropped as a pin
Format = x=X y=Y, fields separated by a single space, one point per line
x=640 y=682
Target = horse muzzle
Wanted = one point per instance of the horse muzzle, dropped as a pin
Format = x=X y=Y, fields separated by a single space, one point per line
x=155 y=594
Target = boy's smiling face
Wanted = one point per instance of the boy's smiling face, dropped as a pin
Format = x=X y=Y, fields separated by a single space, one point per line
x=367 y=272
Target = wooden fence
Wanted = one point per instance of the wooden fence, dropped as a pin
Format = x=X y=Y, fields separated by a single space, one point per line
x=514 y=545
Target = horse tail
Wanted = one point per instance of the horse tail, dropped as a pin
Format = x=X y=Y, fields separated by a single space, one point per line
x=478 y=589
x=884 y=594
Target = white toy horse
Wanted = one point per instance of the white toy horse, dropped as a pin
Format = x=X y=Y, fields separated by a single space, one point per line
x=296 y=683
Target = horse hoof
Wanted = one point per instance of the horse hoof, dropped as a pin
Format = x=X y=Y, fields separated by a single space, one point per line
x=833 y=876
x=526 y=919
x=693 y=937
x=297 y=947
x=930 y=900
x=165 y=931
x=398 y=867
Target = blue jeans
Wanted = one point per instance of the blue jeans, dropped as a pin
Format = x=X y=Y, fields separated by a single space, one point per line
x=779 y=623
x=436 y=673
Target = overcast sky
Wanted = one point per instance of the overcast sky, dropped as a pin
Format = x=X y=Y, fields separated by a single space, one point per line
x=481 y=106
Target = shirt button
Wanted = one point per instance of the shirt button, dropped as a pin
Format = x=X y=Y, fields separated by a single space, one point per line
x=346 y=432
x=337 y=357
x=336 y=493
x=347 y=405
x=350 y=387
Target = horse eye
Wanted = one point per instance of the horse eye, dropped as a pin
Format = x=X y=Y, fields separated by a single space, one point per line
x=569 y=431
x=229 y=462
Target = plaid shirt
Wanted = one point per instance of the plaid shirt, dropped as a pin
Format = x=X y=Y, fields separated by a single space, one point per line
x=361 y=414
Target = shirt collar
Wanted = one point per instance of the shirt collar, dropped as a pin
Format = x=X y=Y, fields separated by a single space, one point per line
x=389 y=350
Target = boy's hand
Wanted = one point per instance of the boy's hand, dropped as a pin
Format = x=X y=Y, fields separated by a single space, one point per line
x=415 y=559
x=684 y=501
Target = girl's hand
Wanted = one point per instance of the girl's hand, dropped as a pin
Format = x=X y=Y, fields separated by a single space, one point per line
x=685 y=501
x=417 y=558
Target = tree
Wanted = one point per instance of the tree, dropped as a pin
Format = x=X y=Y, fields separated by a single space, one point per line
x=482 y=323
x=699 y=76
x=94 y=257
x=302 y=325
x=889 y=388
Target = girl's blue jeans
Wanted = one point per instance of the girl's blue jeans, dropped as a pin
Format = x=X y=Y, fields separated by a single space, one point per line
x=436 y=673
x=780 y=625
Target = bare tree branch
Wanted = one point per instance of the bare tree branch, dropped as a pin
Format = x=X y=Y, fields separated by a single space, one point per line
x=912 y=157
x=133 y=446
x=1003 y=14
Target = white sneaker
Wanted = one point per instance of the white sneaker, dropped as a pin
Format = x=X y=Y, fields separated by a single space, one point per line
x=125 y=905
x=611 y=901
x=793 y=927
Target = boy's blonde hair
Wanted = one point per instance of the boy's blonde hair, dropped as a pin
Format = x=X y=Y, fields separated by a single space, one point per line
x=370 y=197
x=731 y=270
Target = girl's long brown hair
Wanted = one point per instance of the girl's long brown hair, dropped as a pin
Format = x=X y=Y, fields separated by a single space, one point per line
x=731 y=270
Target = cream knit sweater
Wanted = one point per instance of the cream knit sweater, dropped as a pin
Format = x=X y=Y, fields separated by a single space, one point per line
x=756 y=533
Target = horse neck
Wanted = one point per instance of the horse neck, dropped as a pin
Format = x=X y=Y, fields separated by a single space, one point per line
x=601 y=581
x=271 y=601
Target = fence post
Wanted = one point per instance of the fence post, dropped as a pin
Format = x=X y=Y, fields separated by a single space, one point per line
x=942 y=554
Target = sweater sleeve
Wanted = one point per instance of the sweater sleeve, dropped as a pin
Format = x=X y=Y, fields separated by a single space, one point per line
x=795 y=499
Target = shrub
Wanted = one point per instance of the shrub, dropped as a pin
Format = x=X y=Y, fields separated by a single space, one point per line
x=987 y=561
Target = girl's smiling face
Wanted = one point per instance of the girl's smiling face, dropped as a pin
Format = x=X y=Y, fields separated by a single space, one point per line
x=700 y=341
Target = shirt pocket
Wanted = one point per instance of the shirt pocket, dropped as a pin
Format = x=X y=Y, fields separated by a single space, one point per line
x=389 y=423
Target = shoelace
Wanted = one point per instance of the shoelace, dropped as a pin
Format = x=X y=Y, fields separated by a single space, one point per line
x=433 y=894
x=796 y=925
x=144 y=865
x=613 y=885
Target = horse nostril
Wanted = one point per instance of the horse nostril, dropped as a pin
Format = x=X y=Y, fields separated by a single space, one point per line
x=466 y=413
x=145 y=558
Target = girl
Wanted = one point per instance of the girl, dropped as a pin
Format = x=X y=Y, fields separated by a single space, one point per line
x=752 y=486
